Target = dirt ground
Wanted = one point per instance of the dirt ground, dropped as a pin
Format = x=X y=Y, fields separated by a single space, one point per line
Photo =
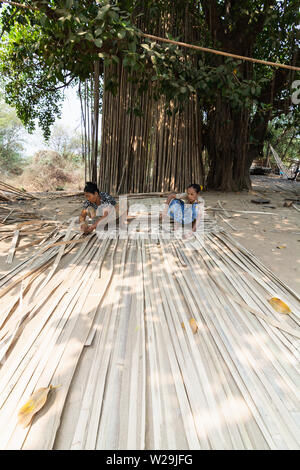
x=273 y=235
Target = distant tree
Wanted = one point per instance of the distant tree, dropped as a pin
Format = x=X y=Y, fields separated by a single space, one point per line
x=50 y=170
x=66 y=143
x=11 y=142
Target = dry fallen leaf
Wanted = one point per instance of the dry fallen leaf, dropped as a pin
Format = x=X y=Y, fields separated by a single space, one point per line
x=193 y=325
x=35 y=402
x=279 y=305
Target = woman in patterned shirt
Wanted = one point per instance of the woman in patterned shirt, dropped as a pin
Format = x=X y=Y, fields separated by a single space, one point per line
x=95 y=202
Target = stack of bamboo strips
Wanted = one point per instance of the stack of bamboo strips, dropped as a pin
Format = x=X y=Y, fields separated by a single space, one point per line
x=43 y=229
x=275 y=184
x=7 y=188
x=108 y=322
x=3 y=197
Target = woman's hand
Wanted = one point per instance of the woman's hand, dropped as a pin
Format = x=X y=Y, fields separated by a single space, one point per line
x=91 y=228
x=170 y=198
x=82 y=216
x=84 y=227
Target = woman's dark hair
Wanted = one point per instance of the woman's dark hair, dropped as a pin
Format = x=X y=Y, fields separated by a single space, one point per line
x=196 y=187
x=90 y=188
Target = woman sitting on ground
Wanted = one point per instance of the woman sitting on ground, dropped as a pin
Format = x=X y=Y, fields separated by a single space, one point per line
x=97 y=206
x=184 y=208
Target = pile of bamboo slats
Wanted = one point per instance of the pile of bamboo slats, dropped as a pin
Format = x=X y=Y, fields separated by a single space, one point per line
x=144 y=195
x=37 y=230
x=107 y=321
x=13 y=192
x=275 y=184
x=3 y=197
x=59 y=194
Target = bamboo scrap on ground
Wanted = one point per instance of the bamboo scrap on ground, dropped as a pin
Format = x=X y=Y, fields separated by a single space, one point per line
x=295 y=207
x=15 y=191
x=3 y=197
x=16 y=214
x=232 y=383
x=13 y=247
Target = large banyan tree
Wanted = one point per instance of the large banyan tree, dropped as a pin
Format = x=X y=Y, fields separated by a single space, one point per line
x=164 y=107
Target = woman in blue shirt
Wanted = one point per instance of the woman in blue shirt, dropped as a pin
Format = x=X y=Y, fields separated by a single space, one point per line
x=184 y=208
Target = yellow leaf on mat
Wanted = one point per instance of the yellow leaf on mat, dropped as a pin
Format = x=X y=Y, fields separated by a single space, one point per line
x=193 y=325
x=279 y=305
x=35 y=402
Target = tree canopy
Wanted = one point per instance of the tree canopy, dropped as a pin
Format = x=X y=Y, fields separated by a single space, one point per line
x=11 y=140
x=54 y=44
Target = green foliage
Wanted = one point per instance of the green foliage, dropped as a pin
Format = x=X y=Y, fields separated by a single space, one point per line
x=43 y=51
x=11 y=161
x=283 y=135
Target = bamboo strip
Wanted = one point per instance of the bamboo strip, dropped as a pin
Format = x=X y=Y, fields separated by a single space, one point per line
x=11 y=189
x=292 y=319
x=12 y=368
x=272 y=354
x=85 y=435
x=28 y=380
x=209 y=313
x=13 y=247
x=275 y=335
x=237 y=373
x=190 y=426
x=272 y=322
x=33 y=274
x=109 y=432
x=224 y=210
x=275 y=332
x=226 y=54
x=3 y=197
x=295 y=207
x=5 y=218
x=136 y=421
x=243 y=288
x=203 y=49
x=215 y=436
x=156 y=401
x=259 y=265
x=274 y=419
x=9 y=336
x=235 y=430
x=58 y=257
x=68 y=351
x=249 y=265
x=30 y=261
x=188 y=373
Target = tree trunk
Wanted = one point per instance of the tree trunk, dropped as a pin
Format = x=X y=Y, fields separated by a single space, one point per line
x=259 y=128
x=228 y=145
